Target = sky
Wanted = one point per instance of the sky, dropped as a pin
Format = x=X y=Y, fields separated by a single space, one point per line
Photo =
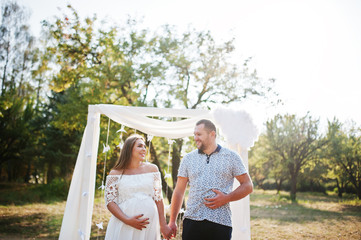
x=311 y=47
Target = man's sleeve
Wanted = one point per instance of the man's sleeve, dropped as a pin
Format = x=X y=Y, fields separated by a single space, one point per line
x=238 y=166
x=183 y=169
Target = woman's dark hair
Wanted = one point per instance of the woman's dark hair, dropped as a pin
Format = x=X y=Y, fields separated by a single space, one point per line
x=126 y=153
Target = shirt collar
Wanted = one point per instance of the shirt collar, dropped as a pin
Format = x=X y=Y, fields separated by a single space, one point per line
x=215 y=151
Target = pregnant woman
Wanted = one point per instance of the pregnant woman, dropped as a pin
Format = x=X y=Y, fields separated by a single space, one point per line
x=133 y=195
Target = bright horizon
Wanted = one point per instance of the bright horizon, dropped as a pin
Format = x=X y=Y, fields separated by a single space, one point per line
x=311 y=48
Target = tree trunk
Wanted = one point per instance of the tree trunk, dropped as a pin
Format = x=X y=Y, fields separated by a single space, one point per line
x=279 y=185
x=293 y=186
x=176 y=158
x=27 y=175
x=50 y=173
x=311 y=185
x=35 y=174
x=259 y=183
x=3 y=88
x=339 y=189
x=9 y=170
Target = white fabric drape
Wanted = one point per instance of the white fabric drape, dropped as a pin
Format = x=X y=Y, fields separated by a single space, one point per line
x=77 y=217
x=240 y=209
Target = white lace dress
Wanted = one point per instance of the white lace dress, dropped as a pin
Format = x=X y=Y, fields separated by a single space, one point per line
x=134 y=194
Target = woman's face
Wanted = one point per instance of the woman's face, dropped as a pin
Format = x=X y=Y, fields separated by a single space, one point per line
x=139 y=150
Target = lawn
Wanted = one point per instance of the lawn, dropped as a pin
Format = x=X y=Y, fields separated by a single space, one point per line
x=273 y=216
x=313 y=216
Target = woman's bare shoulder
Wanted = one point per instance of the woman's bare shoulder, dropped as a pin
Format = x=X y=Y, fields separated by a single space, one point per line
x=115 y=172
x=150 y=167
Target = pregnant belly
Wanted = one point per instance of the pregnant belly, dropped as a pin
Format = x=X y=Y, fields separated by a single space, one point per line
x=136 y=206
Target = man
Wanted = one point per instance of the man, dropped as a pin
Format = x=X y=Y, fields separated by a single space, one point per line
x=210 y=172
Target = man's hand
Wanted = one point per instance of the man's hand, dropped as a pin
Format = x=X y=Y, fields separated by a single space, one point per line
x=219 y=200
x=173 y=226
x=166 y=232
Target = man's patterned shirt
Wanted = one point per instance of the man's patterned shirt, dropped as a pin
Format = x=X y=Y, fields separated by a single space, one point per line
x=207 y=172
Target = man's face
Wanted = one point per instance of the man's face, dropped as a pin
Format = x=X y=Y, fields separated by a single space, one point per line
x=201 y=137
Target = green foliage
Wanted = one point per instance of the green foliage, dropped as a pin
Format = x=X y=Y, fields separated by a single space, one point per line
x=200 y=72
x=46 y=90
x=55 y=190
x=19 y=194
x=15 y=133
x=132 y=66
x=77 y=65
x=294 y=149
x=17 y=59
x=344 y=152
x=266 y=165
x=294 y=143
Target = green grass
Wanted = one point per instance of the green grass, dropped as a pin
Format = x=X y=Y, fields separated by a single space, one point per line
x=312 y=216
x=29 y=221
x=273 y=216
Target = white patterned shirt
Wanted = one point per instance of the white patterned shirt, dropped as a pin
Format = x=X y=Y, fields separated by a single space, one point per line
x=207 y=172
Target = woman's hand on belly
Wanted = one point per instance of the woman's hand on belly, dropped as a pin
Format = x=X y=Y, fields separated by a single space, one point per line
x=137 y=222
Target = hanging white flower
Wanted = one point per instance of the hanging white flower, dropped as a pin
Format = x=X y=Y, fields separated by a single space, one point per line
x=102 y=187
x=122 y=129
x=120 y=145
x=167 y=175
x=150 y=138
x=106 y=148
x=182 y=210
x=171 y=141
x=100 y=225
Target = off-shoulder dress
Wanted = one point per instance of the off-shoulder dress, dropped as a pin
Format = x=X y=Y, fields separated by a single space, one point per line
x=134 y=194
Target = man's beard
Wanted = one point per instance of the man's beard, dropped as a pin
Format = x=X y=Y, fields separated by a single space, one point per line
x=201 y=146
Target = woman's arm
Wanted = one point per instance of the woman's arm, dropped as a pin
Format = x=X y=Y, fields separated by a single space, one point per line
x=164 y=228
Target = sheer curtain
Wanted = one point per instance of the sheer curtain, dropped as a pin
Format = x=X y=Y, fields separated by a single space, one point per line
x=77 y=217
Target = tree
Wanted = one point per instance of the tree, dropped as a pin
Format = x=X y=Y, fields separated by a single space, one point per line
x=315 y=173
x=17 y=51
x=295 y=141
x=266 y=165
x=132 y=66
x=15 y=134
x=200 y=74
x=344 y=153
x=259 y=164
x=88 y=67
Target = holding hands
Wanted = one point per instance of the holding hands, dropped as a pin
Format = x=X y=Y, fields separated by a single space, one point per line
x=166 y=231
x=173 y=227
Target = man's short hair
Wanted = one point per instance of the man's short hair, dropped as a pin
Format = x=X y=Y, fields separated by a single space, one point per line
x=207 y=125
